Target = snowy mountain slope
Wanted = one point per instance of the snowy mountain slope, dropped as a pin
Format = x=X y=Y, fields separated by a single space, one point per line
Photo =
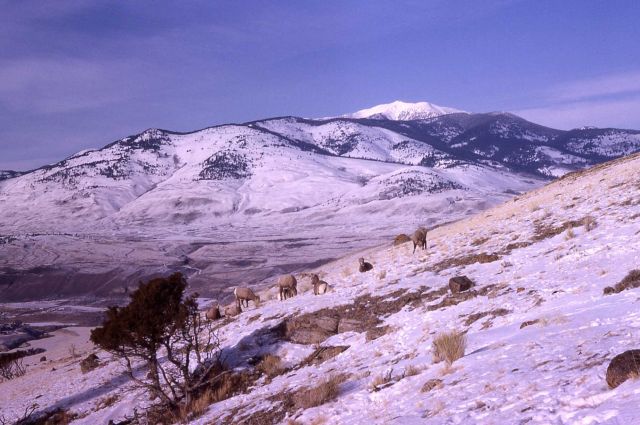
x=403 y=111
x=540 y=333
x=266 y=186
x=9 y=174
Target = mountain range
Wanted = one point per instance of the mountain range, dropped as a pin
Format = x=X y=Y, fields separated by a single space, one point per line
x=243 y=202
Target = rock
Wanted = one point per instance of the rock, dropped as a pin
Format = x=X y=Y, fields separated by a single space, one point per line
x=213 y=313
x=459 y=284
x=350 y=325
x=608 y=290
x=622 y=367
x=43 y=358
x=89 y=363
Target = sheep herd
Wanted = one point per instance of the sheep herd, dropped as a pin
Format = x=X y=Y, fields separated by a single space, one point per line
x=288 y=284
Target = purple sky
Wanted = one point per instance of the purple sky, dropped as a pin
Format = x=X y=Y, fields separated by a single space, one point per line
x=79 y=74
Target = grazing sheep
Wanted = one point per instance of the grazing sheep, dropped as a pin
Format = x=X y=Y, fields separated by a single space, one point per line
x=283 y=295
x=288 y=286
x=419 y=238
x=364 y=266
x=244 y=295
x=319 y=286
x=213 y=313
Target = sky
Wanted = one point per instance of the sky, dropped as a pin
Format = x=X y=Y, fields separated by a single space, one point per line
x=79 y=74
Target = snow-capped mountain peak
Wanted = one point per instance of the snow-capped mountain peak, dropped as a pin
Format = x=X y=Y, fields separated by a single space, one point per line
x=403 y=111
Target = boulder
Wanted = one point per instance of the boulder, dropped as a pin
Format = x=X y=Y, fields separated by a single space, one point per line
x=459 y=284
x=622 y=367
x=89 y=363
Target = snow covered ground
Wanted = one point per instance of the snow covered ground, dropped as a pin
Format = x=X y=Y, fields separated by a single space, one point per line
x=536 y=269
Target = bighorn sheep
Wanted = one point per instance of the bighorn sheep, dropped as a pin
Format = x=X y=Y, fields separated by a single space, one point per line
x=364 y=266
x=213 y=313
x=319 y=286
x=244 y=295
x=283 y=295
x=288 y=286
x=419 y=238
x=232 y=310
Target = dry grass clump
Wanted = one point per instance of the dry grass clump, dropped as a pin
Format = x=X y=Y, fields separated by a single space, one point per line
x=432 y=384
x=327 y=390
x=411 y=370
x=196 y=408
x=380 y=381
x=589 y=223
x=570 y=234
x=107 y=401
x=346 y=272
x=382 y=274
x=401 y=239
x=270 y=365
x=449 y=346
x=222 y=388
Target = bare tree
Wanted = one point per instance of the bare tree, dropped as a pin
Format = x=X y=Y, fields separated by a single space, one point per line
x=166 y=333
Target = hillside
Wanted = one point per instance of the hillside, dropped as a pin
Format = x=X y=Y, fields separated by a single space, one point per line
x=540 y=333
x=279 y=195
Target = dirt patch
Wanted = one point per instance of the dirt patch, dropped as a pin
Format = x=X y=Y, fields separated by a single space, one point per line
x=529 y=323
x=479 y=241
x=516 y=245
x=455 y=299
x=543 y=231
x=630 y=281
x=472 y=318
x=465 y=260
x=323 y=354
